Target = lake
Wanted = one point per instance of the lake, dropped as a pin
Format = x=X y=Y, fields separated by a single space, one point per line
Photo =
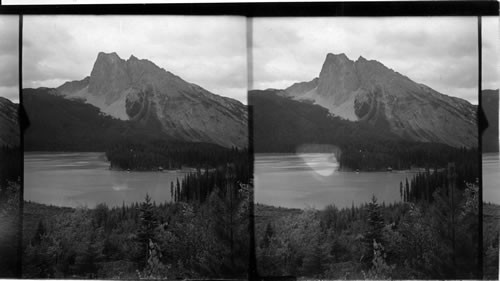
x=312 y=180
x=491 y=178
x=287 y=180
x=84 y=179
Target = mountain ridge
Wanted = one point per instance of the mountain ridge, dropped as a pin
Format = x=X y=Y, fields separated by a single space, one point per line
x=368 y=91
x=9 y=125
x=139 y=90
x=284 y=125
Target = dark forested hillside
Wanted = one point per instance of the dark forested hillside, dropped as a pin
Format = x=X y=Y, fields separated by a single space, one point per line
x=154 y=155
x=59 y=124
x=282 y=125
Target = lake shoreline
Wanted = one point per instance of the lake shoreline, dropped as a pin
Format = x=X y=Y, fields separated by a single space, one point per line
x=79 y=179
x=314 y=180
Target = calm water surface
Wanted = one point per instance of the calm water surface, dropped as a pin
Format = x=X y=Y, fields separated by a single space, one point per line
x=83 y=179
x=491 y=178
x=312 y=180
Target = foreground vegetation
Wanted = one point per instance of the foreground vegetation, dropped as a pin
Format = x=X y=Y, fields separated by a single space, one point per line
x=432 y=234
x=202 y=234
x=10 y=167
x=491 y=234
x=373 y=241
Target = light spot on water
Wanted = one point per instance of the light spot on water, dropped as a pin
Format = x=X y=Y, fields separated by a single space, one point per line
x=320 y=158
x=119 y=187
x=321 y=164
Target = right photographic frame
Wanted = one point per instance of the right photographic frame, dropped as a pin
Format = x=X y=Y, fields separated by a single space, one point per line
x=366 y=145
x=490 y=144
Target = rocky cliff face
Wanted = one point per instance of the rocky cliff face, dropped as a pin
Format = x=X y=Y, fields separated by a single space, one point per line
x=9 y=126
x=367 y=91
x=139 y=90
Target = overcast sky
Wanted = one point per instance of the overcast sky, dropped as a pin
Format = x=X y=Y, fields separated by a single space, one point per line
x=491 y=52
x=207 y=51
x=9 y=57
x=440 y=52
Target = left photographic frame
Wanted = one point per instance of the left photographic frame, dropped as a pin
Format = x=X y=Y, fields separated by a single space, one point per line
x=136 y=160
x=10 y=152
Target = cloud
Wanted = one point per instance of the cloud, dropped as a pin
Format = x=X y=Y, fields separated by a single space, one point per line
x=9 y=57
x=440 y=52
x=12 y=93
x=208 y=51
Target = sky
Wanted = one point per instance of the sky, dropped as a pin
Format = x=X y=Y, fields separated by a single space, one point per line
x=440 y=52
x=491 y=52
x=208 y=51
x=9 y=57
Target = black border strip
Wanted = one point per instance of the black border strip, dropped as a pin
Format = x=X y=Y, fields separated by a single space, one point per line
x=480 y=148
x=252 y=255
x=276 y=9
x=21 y=154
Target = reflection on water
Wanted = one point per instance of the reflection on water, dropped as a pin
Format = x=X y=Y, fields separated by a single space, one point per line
x=312 y=180
x=491 y=178
x=84 y=179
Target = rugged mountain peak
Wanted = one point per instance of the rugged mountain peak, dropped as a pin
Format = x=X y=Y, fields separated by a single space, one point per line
x=372 y=70
x=336 y=57
x=337 y=78
x=361 y=58
x=366 y=90
x=108 y=56
x=9 y=126
x=139 y=90
x=109 y=77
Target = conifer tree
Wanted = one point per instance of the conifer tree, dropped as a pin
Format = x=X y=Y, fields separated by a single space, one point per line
x=268 y=234
x=147 y=226
x=375 y=225
x=172 y=191
x=40 y=231
x=401 y=190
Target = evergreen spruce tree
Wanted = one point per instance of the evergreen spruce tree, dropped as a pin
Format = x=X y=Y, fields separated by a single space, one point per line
x=40 y=231
x=148 y=224
x=374 y=233
x=407 y=191
x=178 y=191
x=172 y=191
x=401 y=190
x=268 y=234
